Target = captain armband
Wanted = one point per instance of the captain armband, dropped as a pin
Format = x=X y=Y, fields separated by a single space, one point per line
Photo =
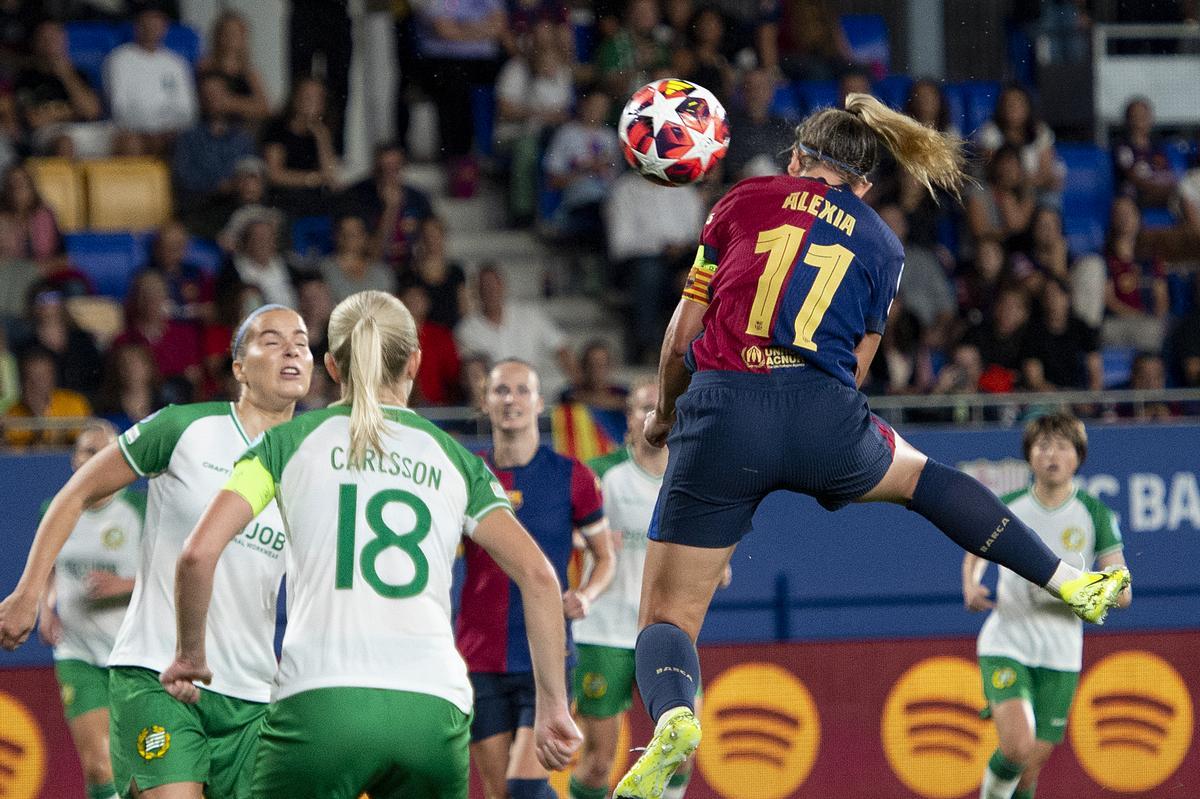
x=698 y=288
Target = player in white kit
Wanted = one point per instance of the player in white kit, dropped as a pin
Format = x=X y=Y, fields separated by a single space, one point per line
x=371 y=694
x=1031 y=646
x=83 y=607
x=161 y=749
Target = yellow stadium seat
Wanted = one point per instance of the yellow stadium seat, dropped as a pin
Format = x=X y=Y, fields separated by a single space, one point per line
x=127 y=193
x=60 y=183
x=103 y=317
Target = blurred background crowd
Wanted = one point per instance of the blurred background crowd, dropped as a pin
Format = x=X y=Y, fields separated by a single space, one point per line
x=167 y=167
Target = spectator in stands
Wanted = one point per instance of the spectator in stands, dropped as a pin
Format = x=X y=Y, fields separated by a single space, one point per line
x=392 y=208
x=41 y=398
x=1148 y=373
x=595 y=386
x=701 y=59
x=760 y=134
x=811 y=43
x=257 y=261
x=1001 y=341
x=647 y=253
x=37 y=229
x=904 y=364
x=925 y=286
x=534 y=94
x=1061 y=351
x=131 y=389
x=1140 y=161
x=962 y=375
x=1185 y=205
x=206 y=155
x=475 y=370
x=351 y=268
x=927 y=104
x=250 y=200
x=1047 y=256
x=149 y=87
x=1014 y=124
x=53 y=330
x=315 y=306
x=1136 y=296
x=524 y=16
x=189 y=288
x=459 y=45
x=176 y=344
x=18 y=273
x=854 y=80
x=438 y=380
x=1002 y=209
x=501 y=329
x=10 y=379
x=241 y=94
x=443 y=280
x=633 y=55
x=582 y=163
x=51 y=92
x=753 y=32
x=302 y=166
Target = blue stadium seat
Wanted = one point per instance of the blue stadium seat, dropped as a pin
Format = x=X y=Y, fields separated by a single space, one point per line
x=88 y=43
x=1182 y=292
x=1087 y=195
x=483 y=115
x=1118 y=365
x=867 y=35
x=180 y=38
x=109 y=259
x=585 y=41
x=955 y=105
x=979 y=103
x=204 y=254
x=894 y=90
x=784 y=103
x=813 y=94
x=312 y=235
x=1180 y=155
x=1157 y=218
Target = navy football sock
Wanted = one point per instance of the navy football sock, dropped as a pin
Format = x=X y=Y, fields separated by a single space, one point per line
x=530 y=789
x=668 y=669
x=977 y=521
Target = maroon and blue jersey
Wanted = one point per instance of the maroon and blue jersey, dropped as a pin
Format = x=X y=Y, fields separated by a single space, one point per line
x=794 y=272
x=552 y=495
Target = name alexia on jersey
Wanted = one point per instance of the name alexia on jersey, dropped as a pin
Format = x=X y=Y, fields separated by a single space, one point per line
x=391 y=463
x=822 y=209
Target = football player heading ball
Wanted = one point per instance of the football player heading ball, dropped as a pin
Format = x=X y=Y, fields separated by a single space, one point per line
x=673 y=131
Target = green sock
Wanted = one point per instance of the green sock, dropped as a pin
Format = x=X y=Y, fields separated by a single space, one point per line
x=1027 y=793
x=580 y=791
x=105 y=791
x=1002 y=767
x=677 y=785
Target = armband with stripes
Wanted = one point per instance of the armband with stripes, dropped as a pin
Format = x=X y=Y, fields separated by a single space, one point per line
x=699 y=279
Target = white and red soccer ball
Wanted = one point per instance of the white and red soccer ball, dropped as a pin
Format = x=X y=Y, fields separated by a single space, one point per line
x=673 y=131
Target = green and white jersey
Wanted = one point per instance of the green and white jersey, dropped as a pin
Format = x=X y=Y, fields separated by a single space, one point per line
x=1028 y=624
x=106 y=539
x=188 y=452
x=629 y=496
x=370 y=550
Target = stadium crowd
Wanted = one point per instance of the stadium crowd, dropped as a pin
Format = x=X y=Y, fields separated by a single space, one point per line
x=994 y=296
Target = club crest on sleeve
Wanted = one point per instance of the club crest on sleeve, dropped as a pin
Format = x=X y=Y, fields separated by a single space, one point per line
x=1003 y=678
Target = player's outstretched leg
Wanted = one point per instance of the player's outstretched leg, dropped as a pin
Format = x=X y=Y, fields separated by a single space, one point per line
x=975 y=519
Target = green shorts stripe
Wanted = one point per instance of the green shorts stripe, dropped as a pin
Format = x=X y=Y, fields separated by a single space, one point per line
x=1048 y=691
x=157 y=740
x=336 y=743
x=82 y=686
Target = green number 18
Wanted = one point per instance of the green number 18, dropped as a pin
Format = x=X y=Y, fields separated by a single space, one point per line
x=409 y=543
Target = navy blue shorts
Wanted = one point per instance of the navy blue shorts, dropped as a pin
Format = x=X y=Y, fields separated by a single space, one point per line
x=738 y=436
x=503 y=702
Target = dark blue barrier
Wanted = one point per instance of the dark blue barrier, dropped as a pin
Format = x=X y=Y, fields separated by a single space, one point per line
x=866 y=571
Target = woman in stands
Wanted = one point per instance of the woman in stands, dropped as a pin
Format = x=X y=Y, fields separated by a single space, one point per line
x=371 y=693
x=39 y=236
x=187 y=451
x=1015 y=124
x=244 y=98
x=83 y=608
x=781 y=317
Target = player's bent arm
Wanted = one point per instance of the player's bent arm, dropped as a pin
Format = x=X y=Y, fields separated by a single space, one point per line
x=975 y=593
x=104 y=474
x=864 y=354
x=1117 y=559
x=673 y=377
x=514 y=550
x=599 y=541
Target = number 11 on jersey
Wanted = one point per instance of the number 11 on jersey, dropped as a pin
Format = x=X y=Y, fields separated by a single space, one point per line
x=781 y=245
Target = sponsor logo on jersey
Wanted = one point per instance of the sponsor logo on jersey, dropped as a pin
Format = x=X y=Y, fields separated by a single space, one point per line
x=770 y=357
x=595 y=686
x=112 y=538
x=753 y=357
x=1072 y=539
x=153 y=742
x=1003 y=678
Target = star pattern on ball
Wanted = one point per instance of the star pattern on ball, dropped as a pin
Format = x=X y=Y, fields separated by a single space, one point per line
x=663 y=109
x=704 y=147
x=651 y=163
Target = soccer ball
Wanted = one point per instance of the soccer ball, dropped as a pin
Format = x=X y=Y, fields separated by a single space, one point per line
x=673 y=131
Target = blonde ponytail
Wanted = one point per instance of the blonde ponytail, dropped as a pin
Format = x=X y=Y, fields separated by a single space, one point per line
x=371 y=337
x=932 y=157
